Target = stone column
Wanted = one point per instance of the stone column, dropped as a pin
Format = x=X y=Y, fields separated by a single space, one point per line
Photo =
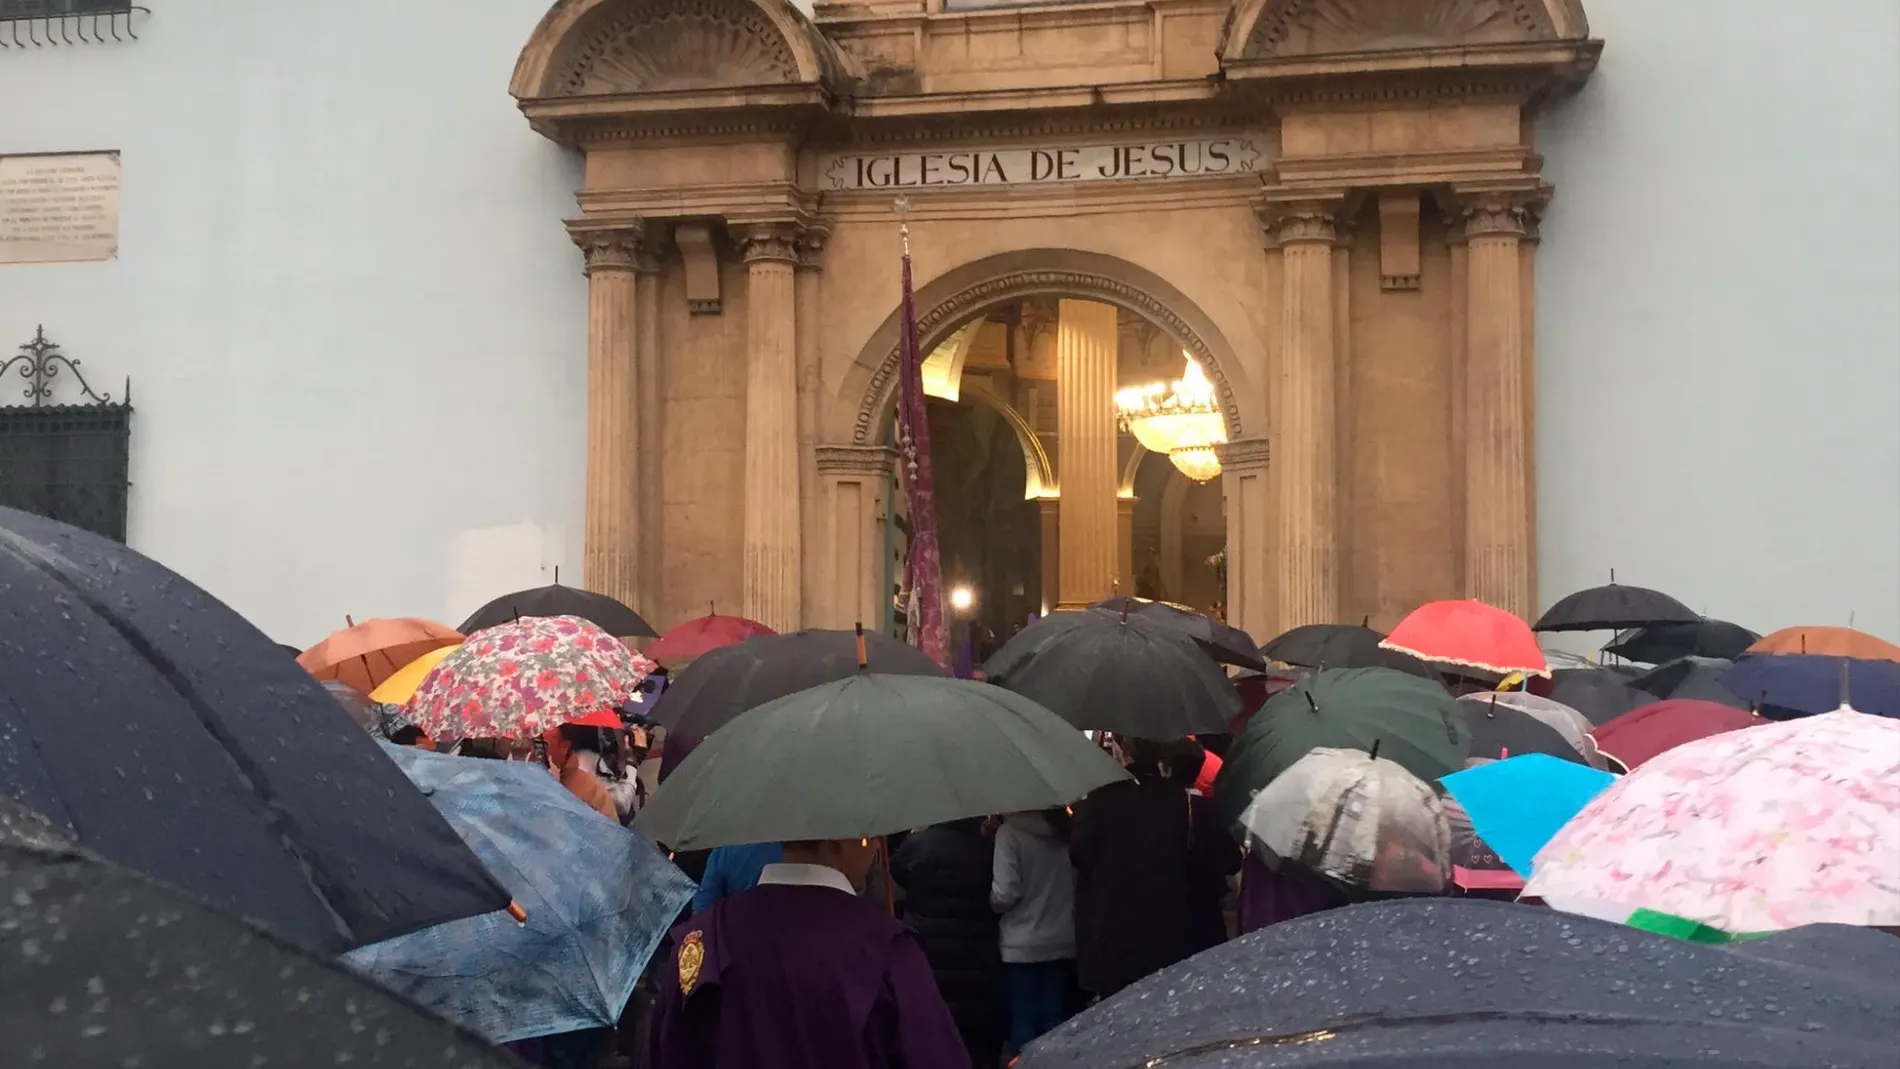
x=1049 y=510
x=1304 y=405
x=1085 y=464
x=853 y=482
x=610 y=554
x=772 y=529
x=1125 y=545
x=652 y=437
x=1245 y=483
x=1498 y=552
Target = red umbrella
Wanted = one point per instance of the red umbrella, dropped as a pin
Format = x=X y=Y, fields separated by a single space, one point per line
x=1469 y=634
x=695 y=638
x=1642 y=733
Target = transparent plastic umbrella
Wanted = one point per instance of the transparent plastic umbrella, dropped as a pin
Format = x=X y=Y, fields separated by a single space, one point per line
x=1357 y=819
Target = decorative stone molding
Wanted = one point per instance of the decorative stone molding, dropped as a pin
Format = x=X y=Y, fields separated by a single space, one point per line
x=869 y=460
x=1511 y=214
x=1244 y=454
x=651 y=45
x=1284 y=28
x=770 y=242
x=811 y=247
x=702 y=267
x=609 y=250
x=1398 y=242
x=938 y=320
x=1300 y=222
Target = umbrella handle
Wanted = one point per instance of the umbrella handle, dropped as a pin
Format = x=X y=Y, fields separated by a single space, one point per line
x=514 y=910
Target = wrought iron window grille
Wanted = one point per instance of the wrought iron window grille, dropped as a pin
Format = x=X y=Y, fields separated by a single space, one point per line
x=70 y=462
x=51 y=23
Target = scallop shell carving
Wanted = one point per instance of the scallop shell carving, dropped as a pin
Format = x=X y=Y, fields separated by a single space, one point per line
x=681 y=44
x=1318 y=27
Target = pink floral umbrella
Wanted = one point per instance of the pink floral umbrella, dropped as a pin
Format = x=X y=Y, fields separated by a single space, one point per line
x=518 y=679
x=1749 y=831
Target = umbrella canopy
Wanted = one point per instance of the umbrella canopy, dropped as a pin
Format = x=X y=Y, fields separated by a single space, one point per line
x=1360 y=821
x=1810 y=683
x=1414 y=723
x=1602 y=694
x=598 y=900
x=1666 y=642
x=518 y=679
x=1342 y=646
x=1615 y=607
x=1571 y=724
x=1690 y=677
x=1222 y=641
x=1777 y=826
x=1516 y=805
x=1827 y=642
x=1468 y=634
x=107 y=968
x=400 y=687
x=353 y=701
x=872 y=755
x=1447 y=983
x=712 y=691
x=365 y=654
x=1641 y=734
x=1127 y=674
x=179 y=741
x=1499 y=731
x=609 y=614
x=702 y=635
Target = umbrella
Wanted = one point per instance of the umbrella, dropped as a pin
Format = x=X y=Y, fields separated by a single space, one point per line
x=1365 y=823
x=1457 y=983
x=401 y=686
x=1827 y=642
x=173 y=738
x=716 y=688
x=1516 y=805
x=609 y=614
x=1127 y=674
x=1571 y=724
x=353 y=701
x=1602 y=694
x=1414 y=723
x=1641 y=734
x=104 y=967
x=1614 y=607
x=1499 y=731
x=1690 y=677
x=1468 y=634
x=365 y=654
x=1222 y=641
x=1810 y=683
x=872 y=755
x=1666 y=642
x=1341 y=646
x=519 y=679
x=1777 y=826
x=598 y=900
x=702 y=635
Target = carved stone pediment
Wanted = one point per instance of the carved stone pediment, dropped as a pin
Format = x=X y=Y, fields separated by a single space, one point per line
x=656 y=45
x=1287 y=28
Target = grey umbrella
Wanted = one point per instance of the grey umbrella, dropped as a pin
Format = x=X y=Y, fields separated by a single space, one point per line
x=1126 y=674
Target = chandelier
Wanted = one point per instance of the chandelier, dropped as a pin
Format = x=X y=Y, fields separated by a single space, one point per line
x=1178 y=419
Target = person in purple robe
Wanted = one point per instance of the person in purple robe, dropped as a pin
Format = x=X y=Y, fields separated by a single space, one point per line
x=801 y=973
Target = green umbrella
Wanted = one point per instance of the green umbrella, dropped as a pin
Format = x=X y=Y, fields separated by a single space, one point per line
x=1413 y=721
x=872 y=755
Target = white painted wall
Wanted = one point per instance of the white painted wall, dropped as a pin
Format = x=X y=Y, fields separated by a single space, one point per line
x=1719 y=327
x=354 y=327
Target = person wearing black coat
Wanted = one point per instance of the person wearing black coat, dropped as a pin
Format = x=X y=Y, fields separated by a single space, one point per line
x=944 y=871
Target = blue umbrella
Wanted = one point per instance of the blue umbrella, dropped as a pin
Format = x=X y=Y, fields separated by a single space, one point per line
x=1811 y=683
x=598 y=900
x=1517 y=804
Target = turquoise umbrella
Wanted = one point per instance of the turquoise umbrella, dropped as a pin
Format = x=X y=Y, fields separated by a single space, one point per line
x=1517 y=804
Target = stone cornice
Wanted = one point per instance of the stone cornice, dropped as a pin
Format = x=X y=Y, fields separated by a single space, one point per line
x=873 y=460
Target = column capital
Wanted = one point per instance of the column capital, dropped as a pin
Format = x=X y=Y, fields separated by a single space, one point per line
x=1498 y=213
x=811 y=246
x=608 y=247
x=875 y=460
x=770 y=242
x=648 y=250
x=1244 y=454
x=1310 y=221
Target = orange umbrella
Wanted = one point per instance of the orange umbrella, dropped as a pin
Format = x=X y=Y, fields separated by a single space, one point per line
x=1827 y=642
x=365 y=654
x=1469 y=634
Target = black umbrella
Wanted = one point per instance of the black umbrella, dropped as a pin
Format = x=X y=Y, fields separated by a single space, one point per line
x=1614 y=607
x=1125 y=674
x=613 y=616
x=1499 y=731
x=1223 y=642
x=1343 y=646
x=717 y=687
x=105 y=968
x=175 y=739
x=1690 y=677
x=1666 y=642
x=1440 y=983
x=1602 y=694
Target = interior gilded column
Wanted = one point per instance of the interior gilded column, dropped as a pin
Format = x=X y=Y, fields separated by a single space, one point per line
x=1306 y=523
x=772 y=526
x=1049 y=513
x=1085 y=462
x=1498 y=553
x=1125 y=545
x=610 y=554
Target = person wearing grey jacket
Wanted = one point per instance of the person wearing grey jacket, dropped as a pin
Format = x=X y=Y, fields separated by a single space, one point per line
x=1033 y=888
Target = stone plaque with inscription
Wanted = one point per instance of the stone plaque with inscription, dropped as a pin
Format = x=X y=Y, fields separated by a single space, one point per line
x=59 y=207
x=1211 y=157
